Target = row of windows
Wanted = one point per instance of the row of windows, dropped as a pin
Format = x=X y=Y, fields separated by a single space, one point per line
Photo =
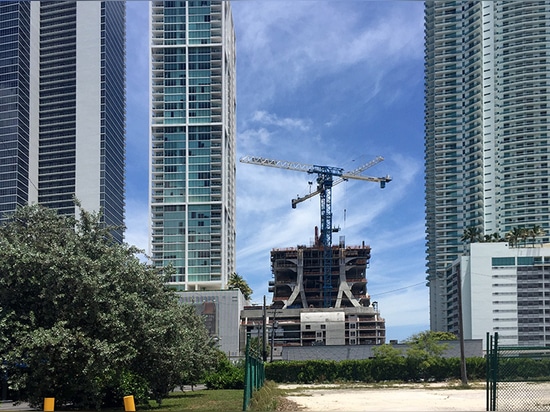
x=521 y=260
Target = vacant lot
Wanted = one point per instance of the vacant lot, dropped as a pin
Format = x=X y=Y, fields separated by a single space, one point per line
x=413 y=397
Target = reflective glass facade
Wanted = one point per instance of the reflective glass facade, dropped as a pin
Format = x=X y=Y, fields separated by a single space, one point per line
x=486 y=128
x=193 y=142
x=75 y=111
x=14 y=104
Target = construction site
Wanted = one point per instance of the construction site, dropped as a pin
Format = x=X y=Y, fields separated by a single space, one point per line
x=319 y=291
x=297 y=315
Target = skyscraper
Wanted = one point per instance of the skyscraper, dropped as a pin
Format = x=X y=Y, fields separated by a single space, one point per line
x=487 y=79
x=193 y=133
x=62 y=105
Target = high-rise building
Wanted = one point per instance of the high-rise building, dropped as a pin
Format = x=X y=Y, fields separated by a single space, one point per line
x=193 y=129
x=62 y=106
x=487 y=142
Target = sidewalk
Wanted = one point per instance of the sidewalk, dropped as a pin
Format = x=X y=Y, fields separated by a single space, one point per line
x=6 y=406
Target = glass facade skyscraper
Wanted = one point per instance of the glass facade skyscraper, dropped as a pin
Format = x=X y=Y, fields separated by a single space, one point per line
x=193 y=131
x=15 y=106
x=487 y=85
x=62 y=76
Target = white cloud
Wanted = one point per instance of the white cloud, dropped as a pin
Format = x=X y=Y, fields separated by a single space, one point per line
x=263 y=117
x=285 y=45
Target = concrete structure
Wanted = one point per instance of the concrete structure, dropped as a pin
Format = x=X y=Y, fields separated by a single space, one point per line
x=297 y=316
x=221 y=311
x=316 y=326
x=62 y=105
x=472 y=348
x=505 y=290
x=193 y=130
x=299 y=277
x=486 y=127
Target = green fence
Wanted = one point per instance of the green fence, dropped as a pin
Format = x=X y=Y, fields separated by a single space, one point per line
x=518 y=377
x=254 y=373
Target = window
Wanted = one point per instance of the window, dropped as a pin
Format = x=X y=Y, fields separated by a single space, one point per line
x=525 y=261
x=503 y=261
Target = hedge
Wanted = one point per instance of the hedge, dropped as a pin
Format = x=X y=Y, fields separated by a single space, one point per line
x=405 y=369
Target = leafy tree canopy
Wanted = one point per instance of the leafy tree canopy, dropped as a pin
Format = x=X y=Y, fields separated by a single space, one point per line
x=429 y=342
x=82 y=319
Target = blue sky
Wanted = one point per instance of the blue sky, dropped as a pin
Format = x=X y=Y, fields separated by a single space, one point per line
x=332 y=83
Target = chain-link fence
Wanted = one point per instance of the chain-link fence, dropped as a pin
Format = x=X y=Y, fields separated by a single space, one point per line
x=254 y=373
x=518 y=377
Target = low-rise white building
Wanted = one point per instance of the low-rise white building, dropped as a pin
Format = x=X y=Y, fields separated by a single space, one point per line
x=504 y=289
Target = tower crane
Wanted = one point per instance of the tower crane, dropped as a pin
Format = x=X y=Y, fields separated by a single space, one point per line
x=325 y=182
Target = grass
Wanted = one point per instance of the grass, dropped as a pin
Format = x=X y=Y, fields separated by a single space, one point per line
x=229 y=400
x=267 y=398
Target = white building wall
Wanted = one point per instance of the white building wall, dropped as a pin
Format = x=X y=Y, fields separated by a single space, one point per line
x=490 y=299
x=34 y=89
x=228 y=304
x=329 y=327
x=88 y=104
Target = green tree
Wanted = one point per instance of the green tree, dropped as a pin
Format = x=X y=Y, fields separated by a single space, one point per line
x=536 y=231
x=425 y=351
x=236 y=281
x=517 y=235
x=81 y=317
x=430 y=342
x=472 y=234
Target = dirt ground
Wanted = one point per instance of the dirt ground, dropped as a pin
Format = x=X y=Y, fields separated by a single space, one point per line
x=413 y=397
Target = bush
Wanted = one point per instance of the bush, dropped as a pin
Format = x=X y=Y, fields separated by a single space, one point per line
x=379 y=369
x=226 y=376
x=356 y=370
x=128 y=384
x=283 y=371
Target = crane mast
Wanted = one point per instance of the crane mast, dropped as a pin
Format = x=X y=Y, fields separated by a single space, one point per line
x=325 y=182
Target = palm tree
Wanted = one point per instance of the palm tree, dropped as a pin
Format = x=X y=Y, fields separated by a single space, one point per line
x=472 y=234
x=535 y=232
x=237 y=282
x=512 y=237
x=523 y=234
x=516 y=234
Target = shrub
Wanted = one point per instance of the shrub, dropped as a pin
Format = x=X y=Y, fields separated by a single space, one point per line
x=414 y=367
x=226 y=376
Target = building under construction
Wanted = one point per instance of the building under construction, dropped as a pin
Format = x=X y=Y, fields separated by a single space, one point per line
x=299 y=314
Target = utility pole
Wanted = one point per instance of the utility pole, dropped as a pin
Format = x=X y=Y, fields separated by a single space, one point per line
x=274 y=325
